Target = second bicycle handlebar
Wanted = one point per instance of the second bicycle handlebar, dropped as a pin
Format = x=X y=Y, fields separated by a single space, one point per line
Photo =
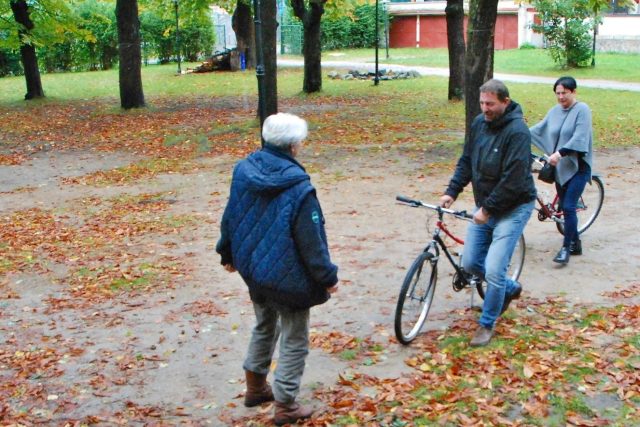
x=418 y=203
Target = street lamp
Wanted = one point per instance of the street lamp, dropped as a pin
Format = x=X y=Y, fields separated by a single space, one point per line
x=375 y=78
x=385 y=5
x=175 y=7
x=260 y=69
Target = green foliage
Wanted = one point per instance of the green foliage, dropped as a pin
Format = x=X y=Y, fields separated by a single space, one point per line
x=9 y=62
x=354 y=31
x=567 y=26
x=82 y=35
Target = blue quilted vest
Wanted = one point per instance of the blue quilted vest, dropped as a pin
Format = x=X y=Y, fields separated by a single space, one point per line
x=266 y=194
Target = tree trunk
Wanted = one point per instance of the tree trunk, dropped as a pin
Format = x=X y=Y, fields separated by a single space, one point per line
x=269 y=27
x=311 y=48
x=479 y=55
x=20 y=10
x=131 y=95
x=455 y=40
x=242 y=23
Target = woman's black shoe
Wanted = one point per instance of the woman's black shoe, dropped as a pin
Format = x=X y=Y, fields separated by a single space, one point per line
x=563 y=256
x=576 y=247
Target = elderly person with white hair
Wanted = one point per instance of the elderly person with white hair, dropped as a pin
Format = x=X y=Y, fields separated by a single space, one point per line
x=273 y=234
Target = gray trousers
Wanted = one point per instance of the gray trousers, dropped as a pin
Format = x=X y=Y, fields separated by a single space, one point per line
x=293 y=330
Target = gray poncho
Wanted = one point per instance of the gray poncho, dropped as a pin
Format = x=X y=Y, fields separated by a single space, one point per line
x=576 y=133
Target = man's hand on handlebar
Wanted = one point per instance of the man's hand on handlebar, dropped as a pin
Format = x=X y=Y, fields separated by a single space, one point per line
x=446 y=201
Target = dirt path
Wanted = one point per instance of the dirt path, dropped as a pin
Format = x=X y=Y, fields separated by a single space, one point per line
x=178 y=351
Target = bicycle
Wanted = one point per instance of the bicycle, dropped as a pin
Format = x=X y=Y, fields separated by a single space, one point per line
x=589 y=205
x=418 y=287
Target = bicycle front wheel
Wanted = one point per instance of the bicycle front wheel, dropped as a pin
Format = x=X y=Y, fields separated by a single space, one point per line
x=589 y=205
x=514 y=269
x=416 y=296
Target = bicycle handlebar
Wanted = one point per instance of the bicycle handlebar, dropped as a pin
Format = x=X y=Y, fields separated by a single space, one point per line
x=540 y=159
x=417 y=204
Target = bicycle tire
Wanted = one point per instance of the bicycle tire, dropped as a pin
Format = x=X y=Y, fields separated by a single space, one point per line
x=416 y=296
x=593 y=195
x=515 y=265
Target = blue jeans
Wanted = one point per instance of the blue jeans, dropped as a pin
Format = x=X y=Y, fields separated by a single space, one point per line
x=487 y=253
x=569 y=194
x=293 y=330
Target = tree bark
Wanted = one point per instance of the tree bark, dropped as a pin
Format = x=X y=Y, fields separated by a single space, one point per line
x=242 y=24
x=479 y=55
x=28 y=56
x=455 y=40
x=269 y=27
x=131 y=94
x=311 y=48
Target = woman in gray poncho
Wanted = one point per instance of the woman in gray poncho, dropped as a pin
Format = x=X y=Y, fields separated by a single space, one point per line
x=566 y=136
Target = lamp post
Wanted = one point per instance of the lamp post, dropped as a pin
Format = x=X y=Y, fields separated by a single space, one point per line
x=376 y=80
x=175 y=7
x=385 y=4
x=260 y=69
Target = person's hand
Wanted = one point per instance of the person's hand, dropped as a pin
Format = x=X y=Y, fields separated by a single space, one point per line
x=333 y=289
x=230 y=268
x=446 y=201
x=555 y=158
x=480 y=217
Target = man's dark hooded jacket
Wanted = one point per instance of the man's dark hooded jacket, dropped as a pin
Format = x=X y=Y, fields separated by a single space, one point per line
x=497 y=161
x=273 y=232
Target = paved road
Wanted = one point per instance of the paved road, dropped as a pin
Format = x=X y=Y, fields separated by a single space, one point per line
x=433 y=71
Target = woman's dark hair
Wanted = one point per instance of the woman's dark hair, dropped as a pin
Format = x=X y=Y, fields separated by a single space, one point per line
x=567 y=82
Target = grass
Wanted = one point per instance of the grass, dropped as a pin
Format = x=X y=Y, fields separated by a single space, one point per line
x=414 y=112
x=537 y=62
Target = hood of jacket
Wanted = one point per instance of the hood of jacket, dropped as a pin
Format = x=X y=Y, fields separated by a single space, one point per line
x=511 y=113
x=271 y=170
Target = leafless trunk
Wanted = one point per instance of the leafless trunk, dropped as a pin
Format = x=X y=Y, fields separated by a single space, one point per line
x=455 y=40
x=479 y=54
x=131 y=94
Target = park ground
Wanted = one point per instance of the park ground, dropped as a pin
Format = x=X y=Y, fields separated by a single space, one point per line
x=114 y=309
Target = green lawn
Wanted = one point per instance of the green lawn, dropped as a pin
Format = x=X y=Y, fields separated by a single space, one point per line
x=388 y=112
x=537 y=62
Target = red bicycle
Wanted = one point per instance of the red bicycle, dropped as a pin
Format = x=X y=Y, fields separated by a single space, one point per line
x=588 y=208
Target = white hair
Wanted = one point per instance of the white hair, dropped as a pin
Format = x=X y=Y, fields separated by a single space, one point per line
x=284 y=130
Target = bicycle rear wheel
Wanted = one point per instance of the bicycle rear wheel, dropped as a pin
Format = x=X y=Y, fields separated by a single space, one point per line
x=589 y=205
x=416 y=296
x=515 y=266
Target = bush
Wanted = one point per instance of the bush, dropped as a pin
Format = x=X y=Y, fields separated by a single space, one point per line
x=351 y=32
x=566 y=25
x=10 y=63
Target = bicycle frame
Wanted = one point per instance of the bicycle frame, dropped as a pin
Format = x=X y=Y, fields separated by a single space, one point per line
x=437 y=243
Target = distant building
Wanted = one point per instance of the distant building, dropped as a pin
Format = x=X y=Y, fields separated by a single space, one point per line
x=422 y=23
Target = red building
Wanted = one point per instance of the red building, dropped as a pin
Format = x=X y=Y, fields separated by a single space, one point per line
x=423 y=24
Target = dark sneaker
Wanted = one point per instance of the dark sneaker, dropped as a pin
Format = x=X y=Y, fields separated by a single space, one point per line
x=517 y=291
x=576 y=247
x=481 y=337
x=562 y=256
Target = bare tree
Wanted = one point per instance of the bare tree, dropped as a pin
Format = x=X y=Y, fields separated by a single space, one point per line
x=131 y=94
x=242 y=23
x=455 y=40
x=28 y=57
x=311 y=48
x=479 y=54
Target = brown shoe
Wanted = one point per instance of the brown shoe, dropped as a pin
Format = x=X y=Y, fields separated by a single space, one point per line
x=289 y=413
x=481 y=337
x=258 y=389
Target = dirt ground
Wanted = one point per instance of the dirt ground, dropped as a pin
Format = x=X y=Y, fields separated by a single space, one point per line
x=179 y=350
